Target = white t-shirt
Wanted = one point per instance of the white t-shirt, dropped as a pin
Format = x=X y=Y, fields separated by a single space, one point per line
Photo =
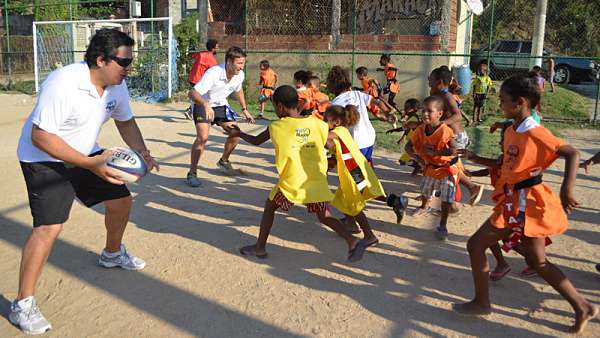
x=68 y=105
x=363 y=132
x=215 y=88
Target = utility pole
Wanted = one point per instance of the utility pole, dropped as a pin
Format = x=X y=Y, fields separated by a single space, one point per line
x=539 y=29
x=202 y=6
x=335 y=23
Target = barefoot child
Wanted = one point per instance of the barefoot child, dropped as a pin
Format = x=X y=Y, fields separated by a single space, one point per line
x=267 y=81
x=527 y=211
x=493 y=170
x=301 y=162
x=432 y=145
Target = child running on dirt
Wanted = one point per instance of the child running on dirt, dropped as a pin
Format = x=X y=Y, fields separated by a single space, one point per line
x=390 y=72
x=358 y=181
x=410 y=114
x=301 y=163
x=527 y=211
x=320 y=100
x=267 y=82
x=340 y=84
x=493 y=171
x=439 y=81
x=370 y=87
x=433 y=146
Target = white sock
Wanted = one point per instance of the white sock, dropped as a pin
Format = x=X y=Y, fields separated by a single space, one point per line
x=112 y=254
x=25 y=303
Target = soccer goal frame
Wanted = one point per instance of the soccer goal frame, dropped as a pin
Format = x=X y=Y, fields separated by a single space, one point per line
x=108 y=23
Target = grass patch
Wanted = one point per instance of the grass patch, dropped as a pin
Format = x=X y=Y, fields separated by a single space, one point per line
x=562 y=104
x=26 y=87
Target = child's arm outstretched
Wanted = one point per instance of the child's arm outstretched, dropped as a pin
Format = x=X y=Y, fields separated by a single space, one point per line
x=387 y=109
x=257 y=140
x=410 y=150
x=571 y=165
x=589 y=162
x=395 y=130
x=500 y=125
x=401 y=139
x=484 y=161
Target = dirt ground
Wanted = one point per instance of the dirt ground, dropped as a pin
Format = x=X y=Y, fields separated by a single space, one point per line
x=196 y=284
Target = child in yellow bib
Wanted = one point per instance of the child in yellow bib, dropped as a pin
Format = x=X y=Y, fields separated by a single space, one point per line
x=358 y=182
x=301 y=162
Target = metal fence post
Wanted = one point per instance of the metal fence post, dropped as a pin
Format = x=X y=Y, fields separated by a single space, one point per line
x=489 y=53
x=245 y=23
x=7 y=40
x=354 y=19
x=597 y=99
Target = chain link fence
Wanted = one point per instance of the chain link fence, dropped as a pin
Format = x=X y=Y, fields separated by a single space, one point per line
x=419 y=35
x=317 y=34
x=39 y=36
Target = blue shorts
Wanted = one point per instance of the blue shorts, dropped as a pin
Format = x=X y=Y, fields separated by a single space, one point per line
x=368 y=152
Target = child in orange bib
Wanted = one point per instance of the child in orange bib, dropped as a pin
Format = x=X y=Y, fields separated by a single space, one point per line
x=527 y=211
x=370 y=87
x=267 y=82
x=305 y=95
x=432 y=145
x=319 y=100
x=390 y=72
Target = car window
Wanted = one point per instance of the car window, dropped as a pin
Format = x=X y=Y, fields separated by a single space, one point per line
x=526 y=47
x=508 y=47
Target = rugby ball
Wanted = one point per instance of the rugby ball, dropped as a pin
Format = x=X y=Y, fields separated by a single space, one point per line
x=129 y=164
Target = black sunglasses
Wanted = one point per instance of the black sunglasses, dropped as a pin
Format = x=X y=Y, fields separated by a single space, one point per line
x=123 y=62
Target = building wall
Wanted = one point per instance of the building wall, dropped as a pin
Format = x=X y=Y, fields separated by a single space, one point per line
x=413 y=69
x=464 y=28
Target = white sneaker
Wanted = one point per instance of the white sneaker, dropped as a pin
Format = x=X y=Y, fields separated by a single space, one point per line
x=123 y=260
x=28 y=317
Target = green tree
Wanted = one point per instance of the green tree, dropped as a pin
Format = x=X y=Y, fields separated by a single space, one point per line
x=571 y=26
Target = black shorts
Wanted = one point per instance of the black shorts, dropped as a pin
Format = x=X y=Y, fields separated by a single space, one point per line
x=222 y=114
x=479 y=100
x=52 y=187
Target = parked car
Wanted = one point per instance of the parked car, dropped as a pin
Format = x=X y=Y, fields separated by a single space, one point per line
x=512 y=56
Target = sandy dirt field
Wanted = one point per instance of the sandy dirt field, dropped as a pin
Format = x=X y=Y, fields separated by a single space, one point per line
x=196 y=284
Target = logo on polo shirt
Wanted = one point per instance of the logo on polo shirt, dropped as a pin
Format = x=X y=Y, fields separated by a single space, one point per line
x=110 y=106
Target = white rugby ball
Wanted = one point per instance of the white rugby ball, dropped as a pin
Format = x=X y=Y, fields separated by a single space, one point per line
x=129 y=164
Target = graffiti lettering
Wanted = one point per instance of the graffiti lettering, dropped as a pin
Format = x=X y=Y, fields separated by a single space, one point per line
x=373 y=12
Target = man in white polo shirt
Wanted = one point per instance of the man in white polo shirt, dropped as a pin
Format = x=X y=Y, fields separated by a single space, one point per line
x=210 y=106
x=61 y=160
